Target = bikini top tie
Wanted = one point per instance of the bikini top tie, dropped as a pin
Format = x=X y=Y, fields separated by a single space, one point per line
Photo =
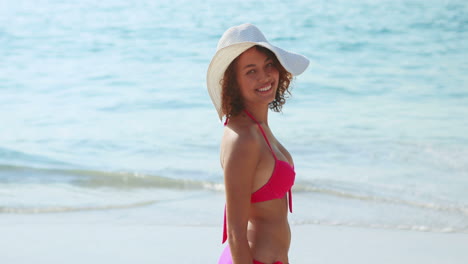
x=280 y=182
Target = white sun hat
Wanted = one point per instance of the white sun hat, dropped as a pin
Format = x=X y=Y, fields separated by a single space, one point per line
x=234 y=42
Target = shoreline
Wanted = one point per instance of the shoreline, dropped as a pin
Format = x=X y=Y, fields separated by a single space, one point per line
x=144 y=243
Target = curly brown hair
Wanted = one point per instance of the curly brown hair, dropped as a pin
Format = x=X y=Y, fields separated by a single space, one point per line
x=232 y=101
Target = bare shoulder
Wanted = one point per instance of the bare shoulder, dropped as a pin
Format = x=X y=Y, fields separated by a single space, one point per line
x=240 y=144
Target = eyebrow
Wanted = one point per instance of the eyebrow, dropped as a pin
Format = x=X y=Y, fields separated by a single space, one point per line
x=253 y=65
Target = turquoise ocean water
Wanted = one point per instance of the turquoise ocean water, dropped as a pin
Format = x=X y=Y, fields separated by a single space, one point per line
x=103 y=108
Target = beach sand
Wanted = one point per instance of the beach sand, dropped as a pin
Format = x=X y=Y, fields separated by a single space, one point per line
x=45 y=240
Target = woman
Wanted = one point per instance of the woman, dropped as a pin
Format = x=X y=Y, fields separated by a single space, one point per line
x=246 y=77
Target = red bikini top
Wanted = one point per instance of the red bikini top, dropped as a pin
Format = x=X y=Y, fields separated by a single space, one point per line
x=280 y=182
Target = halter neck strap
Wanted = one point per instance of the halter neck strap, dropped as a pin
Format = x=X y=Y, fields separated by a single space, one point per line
x=263 y=132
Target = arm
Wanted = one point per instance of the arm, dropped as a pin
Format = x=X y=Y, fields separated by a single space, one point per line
x=240 y=161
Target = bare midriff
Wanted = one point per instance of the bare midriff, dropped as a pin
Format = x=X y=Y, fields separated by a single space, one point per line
x=268 y=231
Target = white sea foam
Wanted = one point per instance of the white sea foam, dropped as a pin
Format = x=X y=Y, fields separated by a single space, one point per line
x=102 y=106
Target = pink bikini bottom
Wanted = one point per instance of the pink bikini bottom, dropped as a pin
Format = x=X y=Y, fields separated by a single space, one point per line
x=227 y=259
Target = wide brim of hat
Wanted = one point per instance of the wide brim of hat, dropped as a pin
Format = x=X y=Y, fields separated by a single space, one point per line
x=292 y=62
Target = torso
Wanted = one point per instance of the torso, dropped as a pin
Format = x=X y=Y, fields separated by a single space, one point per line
x=268 y=228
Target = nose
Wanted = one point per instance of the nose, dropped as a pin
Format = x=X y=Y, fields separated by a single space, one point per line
x=263 y=75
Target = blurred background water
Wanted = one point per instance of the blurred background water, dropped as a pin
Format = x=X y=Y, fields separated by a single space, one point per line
x=103 y=105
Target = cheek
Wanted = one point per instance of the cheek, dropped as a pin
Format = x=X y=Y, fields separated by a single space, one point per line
x=243 y=85
x=245 y=82
x=273 y=72
x=277 y=80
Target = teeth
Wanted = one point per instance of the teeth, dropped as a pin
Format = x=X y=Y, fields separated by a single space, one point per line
x=264 y=89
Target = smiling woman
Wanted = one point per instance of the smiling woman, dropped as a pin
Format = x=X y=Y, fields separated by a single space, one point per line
x=246 y=77
x=231 y=95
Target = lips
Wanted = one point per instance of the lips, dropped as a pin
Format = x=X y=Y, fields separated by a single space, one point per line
x=264 y=88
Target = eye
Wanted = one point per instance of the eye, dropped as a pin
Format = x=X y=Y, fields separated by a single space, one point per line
x=270 y=65
x=251 y=72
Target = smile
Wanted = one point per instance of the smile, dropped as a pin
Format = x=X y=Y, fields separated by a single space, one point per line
x=264 y=89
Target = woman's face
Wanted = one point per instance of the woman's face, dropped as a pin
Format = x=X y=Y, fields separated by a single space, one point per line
x=257 y=77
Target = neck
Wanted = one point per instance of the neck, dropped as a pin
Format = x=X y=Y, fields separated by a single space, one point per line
x=260 y=114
